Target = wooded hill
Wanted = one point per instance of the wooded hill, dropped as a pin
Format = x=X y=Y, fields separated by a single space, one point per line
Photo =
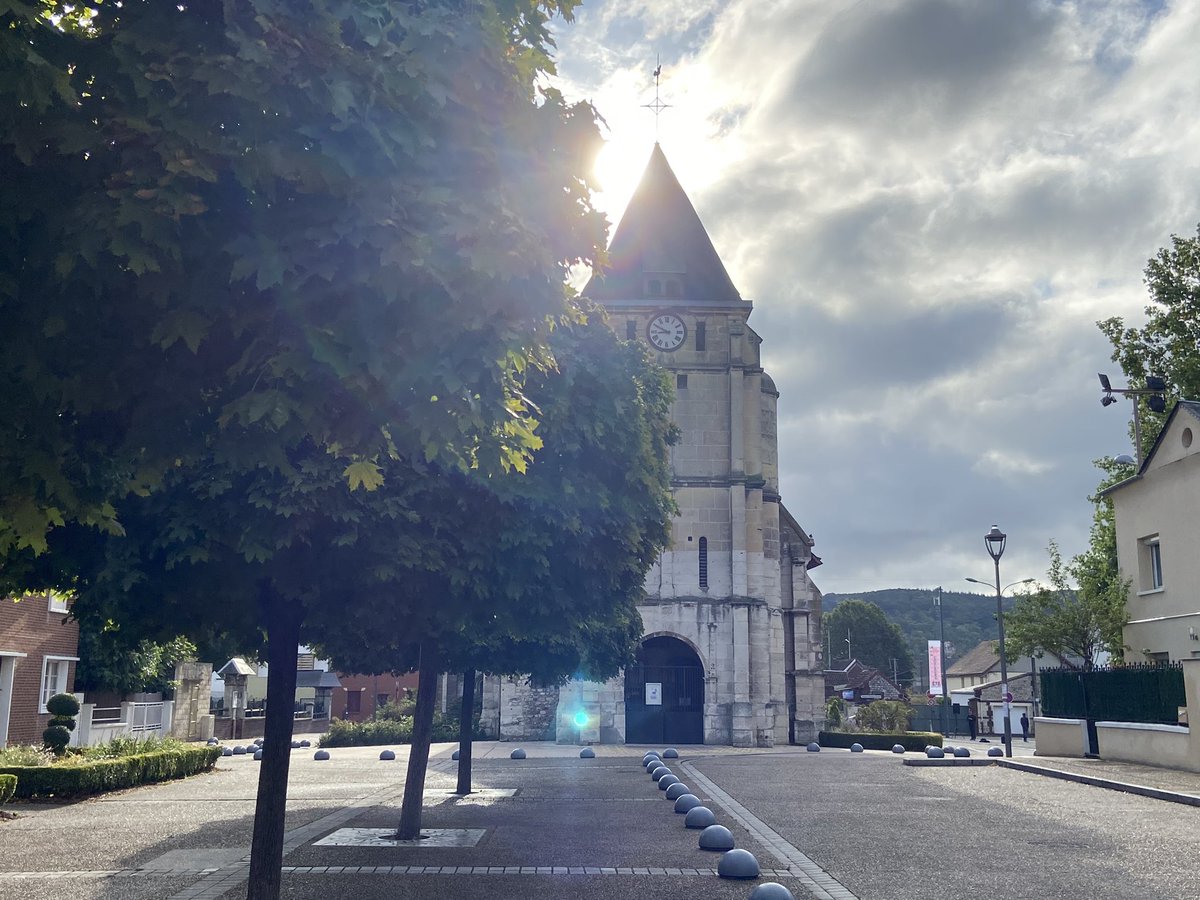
x=970 y=618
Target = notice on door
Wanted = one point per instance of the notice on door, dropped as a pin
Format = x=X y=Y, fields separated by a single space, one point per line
x=654 y=693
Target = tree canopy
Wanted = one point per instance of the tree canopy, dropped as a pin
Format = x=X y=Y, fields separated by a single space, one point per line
x=874 y=639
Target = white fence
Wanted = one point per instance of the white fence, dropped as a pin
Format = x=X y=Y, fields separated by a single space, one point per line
x=96 y=725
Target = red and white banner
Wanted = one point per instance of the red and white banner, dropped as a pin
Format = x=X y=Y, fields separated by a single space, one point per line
x=935 y=668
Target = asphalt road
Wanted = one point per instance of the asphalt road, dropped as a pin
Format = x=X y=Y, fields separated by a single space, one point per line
x=877 y=829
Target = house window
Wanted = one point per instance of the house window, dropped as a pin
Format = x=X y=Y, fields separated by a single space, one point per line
x=681 y=382
x=353 y=701
x=704 y=563
x=58 y=602
x=1150 y=564
x=699 y=335
x=54 y=678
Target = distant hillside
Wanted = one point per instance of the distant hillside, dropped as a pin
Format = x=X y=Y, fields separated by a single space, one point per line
x=970 y=618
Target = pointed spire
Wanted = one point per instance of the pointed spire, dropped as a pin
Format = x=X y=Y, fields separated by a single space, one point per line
x=660 y=251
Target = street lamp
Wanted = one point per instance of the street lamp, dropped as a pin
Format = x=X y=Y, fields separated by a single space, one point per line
x=942 y=660
x=995 y=541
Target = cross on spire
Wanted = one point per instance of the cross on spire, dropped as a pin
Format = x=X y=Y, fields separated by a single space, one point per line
x=657 y=106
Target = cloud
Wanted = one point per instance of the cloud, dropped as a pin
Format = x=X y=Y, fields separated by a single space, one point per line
x=930 y=203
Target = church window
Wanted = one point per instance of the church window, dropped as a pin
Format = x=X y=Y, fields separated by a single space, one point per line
x=654 y=289
x=700 y=335
x=704 y=563
x=681 y=382
x=631 y=330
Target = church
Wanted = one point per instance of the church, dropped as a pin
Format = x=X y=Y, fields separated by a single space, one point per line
x=731 y=651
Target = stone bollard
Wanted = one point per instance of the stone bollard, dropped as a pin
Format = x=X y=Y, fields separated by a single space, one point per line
x=995 y=751
x=670 y=753
x=962 y=752
x=935 y=753
x=212 y=742
x=856 y=748
x=306 y=743
x=896 y=748
x=814 y=747
x=699 y=817
x=685 y=803
x=388 y=755
x=239 y=750
x=658 y=772
x=517 y=754
x=258 y=755
x=771 y=890
x=321 y=754
x=716 y=837
x=227 y=751
x=587 y=753
x=738 y=864
x=666 y=781
x=677 y=790
x=454 y=755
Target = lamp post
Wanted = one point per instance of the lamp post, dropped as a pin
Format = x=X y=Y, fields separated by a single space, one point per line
x=995 y=541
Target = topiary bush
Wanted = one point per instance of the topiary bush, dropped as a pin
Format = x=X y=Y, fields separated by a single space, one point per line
x=63 y=708
x=8 y=787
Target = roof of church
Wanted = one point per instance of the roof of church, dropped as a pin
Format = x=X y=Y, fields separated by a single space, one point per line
x=660 y=234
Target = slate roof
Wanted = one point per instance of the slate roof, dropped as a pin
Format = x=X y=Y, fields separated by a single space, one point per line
x=1191 y=407
x=661 y=233
x=236 y=666
x=980 y=660
x=315 y=678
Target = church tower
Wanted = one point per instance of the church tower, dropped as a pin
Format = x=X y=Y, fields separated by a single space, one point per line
x=731 y=646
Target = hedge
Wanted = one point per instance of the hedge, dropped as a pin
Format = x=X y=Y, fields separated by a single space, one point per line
x=909 y=740
x=8 y=787
x=81 y=779
x=376 y=732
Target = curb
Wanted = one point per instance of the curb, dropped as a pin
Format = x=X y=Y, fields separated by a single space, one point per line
x=949 y=762
x=1108 y=784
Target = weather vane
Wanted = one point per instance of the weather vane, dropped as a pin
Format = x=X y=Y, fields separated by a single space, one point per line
x=657 y=106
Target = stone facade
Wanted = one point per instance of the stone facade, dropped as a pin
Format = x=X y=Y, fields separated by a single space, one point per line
x=733 y=588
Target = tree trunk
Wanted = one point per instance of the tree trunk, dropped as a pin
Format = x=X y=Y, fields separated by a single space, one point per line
x=266 y=850
x=418 y=755
x=466 y=718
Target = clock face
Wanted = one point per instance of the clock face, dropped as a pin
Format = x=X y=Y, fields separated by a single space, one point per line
x=667 y=332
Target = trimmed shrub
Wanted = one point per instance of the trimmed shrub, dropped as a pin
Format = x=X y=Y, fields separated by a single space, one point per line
x=78 y=779
x=55 y=739
x=64 y=705
x=8 y=787
x=375 y=732
x=910 y=740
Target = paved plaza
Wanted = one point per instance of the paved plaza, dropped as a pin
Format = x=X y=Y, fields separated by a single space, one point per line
x=827 y=825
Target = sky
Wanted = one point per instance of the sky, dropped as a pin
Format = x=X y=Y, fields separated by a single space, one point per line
x=930 y=203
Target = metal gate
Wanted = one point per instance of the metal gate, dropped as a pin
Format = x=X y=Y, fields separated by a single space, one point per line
x=677 y=717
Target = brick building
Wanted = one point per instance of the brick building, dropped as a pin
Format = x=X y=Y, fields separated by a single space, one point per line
x=361 y=695
x=39 y=647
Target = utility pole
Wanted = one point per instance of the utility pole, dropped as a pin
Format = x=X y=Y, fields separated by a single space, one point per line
x=942 y=659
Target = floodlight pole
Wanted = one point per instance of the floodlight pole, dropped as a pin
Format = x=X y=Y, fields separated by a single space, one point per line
x=1154 y=388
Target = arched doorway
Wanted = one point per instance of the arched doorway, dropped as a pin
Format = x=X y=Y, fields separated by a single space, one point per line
x=664 y=694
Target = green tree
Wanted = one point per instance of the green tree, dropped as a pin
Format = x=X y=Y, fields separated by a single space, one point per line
x=1168 y=344
x=546 y=570
x=110 y=662
x=256 y=261
x=874 y=639
x=1082 y=622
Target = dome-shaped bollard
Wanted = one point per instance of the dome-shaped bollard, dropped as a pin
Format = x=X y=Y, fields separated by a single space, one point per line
x=651 y=764
x=896 y=748
x=455 y=754
x=212 y=742
x=716 y=837
x=666 y=781
x=995 y=751
x=227 y=751
x=239 y=750
x=387 y=754
x=321 y=754
x=650 y=753
x=517 y=754
x=295 y=745
x=699 y=817
x=257 y=741
x=677 y=790
x=935 y=753
x=814 y=747
x=587 y=753
x=771 y=890
x=659 y=772
x=670 y=753
x=949 y=749
x=306 y=743
x=962 y=752
x=685 y=803
x=258 y=755
x=856 y=748
x=738 y=864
